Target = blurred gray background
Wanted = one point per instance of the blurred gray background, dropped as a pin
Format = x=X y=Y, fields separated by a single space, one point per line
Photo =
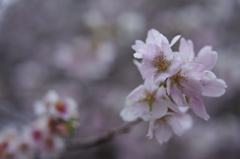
x=82 y=49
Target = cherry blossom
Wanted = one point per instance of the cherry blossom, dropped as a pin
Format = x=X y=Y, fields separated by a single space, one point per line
x=53 y=105
x=164 y=127
x=206 y=56
x=154 y=37
x=158 y=62
x=148 y=102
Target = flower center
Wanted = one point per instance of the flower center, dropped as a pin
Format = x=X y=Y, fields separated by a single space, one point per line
x=178 y=79
x=61 y=107
x=160 y=63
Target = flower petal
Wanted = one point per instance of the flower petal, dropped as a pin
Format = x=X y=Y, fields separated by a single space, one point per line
x=167 y=51
x=136 y=93
x=177 y=95
x=214 y=87
x=160 y=77
x=159 y=109
x=150 y=86
x=192 y=88
x=163 y=133
x=138 y=45
x=174 y=40
x=147 y=71
x=175 y=125
x=155 y=37
x=127 y=114
x=207 y=57
x=135 y=110
x=186 y=121
x=186 y=50
x=193 y=70
x=197 y=106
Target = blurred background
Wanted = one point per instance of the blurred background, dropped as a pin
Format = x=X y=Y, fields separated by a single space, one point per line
x=82 y=49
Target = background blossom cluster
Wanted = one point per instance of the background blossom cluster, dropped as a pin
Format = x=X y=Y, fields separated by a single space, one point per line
x=174 y=82
x=44 y=137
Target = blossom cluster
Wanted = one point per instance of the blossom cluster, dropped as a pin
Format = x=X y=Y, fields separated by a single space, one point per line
x=45 y=136
x=174 y=83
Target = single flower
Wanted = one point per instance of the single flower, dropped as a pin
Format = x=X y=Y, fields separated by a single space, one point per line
x=164 y=127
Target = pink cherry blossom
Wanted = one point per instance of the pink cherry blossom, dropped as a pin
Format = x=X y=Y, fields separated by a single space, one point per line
x=154 y=37
x=164 y=127
x=147 y=101
x=212 y=86
x=158 y=62
x=206 y=56
x=185 y=81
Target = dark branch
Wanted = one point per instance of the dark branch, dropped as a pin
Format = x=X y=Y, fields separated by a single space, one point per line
x=101 y=138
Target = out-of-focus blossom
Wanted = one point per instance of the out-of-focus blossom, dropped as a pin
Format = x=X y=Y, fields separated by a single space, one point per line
x=86 y=59
x=94 y=19
x=46 y=143
x=8 y=142
x=57 y=107
x=131 y=24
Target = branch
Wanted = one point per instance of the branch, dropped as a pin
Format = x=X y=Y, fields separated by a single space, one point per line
x=101 y=138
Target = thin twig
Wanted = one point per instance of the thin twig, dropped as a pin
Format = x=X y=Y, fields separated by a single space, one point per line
x=101 y=138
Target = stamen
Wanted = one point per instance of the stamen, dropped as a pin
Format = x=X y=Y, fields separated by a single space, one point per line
x=160 y=62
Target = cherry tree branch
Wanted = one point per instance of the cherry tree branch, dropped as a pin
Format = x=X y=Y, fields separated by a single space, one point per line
x=92 y=141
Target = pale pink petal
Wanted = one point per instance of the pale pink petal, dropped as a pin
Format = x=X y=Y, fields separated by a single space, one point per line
x=207 y=57
x=138 y=45
x=149 y=85
x=193 y=70
x=138 y=109
x=175 y=125
x=159 y=109
x=186 y=50
x=163 y=133
x=177 y=96
x=40 y=108
x=152 y=34
x=127 y=114
x=175 y=66
x=214 y=87
x=155 y=37
x=147 y=71
x=174 y=40
x=197 y=106
x=160 y=77
x=137 y=93
x=151 y=129
x=210 y=75
x=192 y=87
x=162 y=97
x=167 y=51
x=51 y=96
x=168 y=83
x=186 y=121
x=150 y=52
x=183 y=109
x=137 y=55
x=174 y=107
x=161 y=92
